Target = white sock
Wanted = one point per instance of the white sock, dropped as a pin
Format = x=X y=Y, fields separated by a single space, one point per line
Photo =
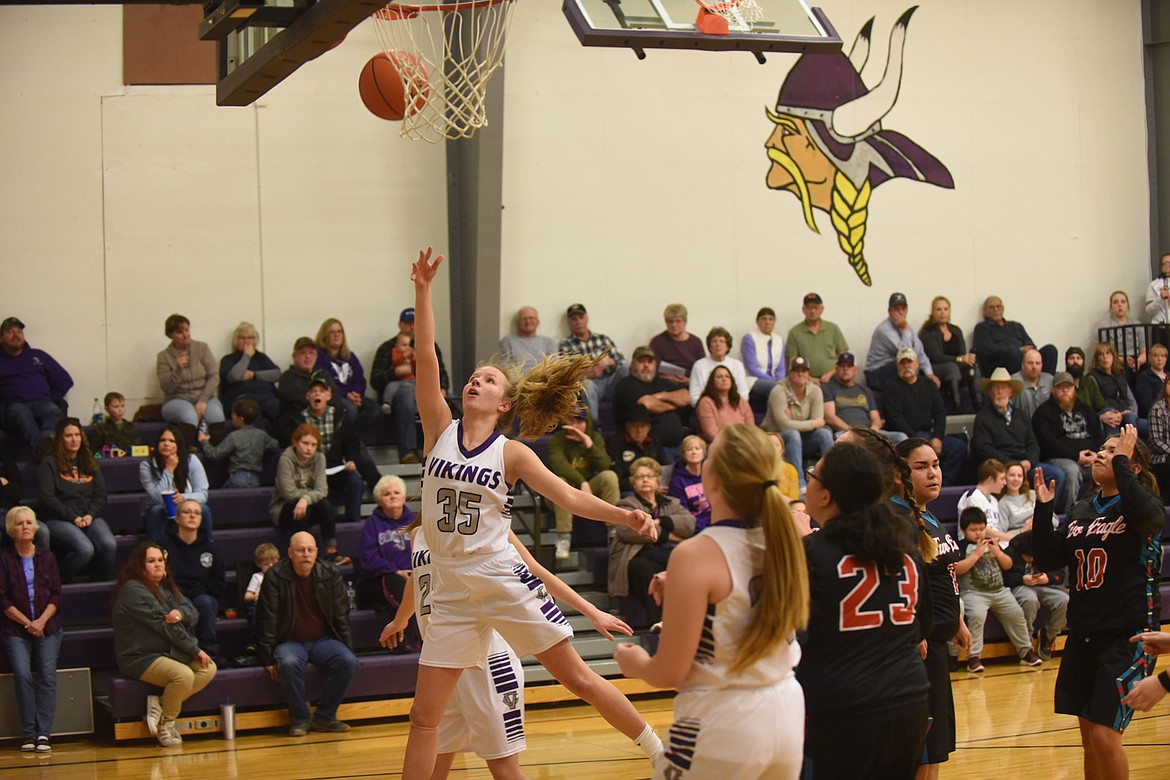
x=650 y=743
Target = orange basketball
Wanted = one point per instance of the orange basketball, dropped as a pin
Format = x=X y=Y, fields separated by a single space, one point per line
x=381 y=85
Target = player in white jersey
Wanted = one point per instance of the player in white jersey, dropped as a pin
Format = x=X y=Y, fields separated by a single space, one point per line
x=486 y=712
x=737 y=595
x=479 y=581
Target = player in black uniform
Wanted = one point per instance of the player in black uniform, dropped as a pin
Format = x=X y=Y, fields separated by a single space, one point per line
x=1112 y=546
x=861 y=661
x=946 y=616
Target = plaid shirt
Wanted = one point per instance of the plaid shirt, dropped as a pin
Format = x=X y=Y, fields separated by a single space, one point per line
x=14 y=590
x=323 y=424
x=594 y=346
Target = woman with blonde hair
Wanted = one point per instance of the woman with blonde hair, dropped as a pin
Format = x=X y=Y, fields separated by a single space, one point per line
x=349 y=378
x=728 y=643
x=954 y=363
x=249 y=373
x=479 y=581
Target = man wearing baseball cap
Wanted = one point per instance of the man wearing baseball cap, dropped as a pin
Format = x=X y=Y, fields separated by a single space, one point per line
x=32 y=385
x=849 y=404
x=294 y=384
x=1069 y=435
x=602 y=378
x=394 y=386
x=915 y=407
x=891 y=335
x=816 y=340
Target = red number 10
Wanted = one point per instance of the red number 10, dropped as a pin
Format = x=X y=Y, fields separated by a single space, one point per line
x=1091 y=565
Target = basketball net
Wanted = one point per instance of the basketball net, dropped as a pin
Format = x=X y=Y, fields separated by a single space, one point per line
x=740 y=14
x=456 y=47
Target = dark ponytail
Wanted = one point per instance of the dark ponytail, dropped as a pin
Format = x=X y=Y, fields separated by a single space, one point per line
x=866 y=527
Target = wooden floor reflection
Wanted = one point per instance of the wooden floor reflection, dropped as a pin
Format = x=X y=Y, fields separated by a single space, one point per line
x=1006 y=730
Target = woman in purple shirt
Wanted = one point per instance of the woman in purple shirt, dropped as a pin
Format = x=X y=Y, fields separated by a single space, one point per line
x=349 y=379
x=384 y=561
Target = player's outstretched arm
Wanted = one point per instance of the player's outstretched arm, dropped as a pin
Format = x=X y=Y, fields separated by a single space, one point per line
x=392 y=634
x=696 y=580
x=432 y=406
x=604 y=622
x=521 y=463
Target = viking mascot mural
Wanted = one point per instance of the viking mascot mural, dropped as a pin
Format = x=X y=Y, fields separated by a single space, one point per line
x=829 y=148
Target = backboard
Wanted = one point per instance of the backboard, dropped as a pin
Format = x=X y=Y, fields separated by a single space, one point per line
x=782 y=26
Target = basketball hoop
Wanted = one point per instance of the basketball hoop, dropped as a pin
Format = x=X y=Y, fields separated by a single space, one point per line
x=458 y=46
x=730 y=15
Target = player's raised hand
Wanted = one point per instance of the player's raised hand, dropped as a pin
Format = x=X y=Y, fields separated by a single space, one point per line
x=642 y=523
x=423 y=271
x=1126 y=441
x=1045 y=492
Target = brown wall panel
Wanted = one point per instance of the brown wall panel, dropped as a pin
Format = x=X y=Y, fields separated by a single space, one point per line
x=160 y=45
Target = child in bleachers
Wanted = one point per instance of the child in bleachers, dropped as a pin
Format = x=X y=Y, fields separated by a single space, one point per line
x=1034 y=589
x=265 y=556
x=114 y=430
x=981 y=588
x=245 y=446
x=402 y=354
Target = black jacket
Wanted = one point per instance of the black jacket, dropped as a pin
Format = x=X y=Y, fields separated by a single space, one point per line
x=1050 y=435
x=994 y=437
x=274 y=611
x=197 y=568
x=911 y=408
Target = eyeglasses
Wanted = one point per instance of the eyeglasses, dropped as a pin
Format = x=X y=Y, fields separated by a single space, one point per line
x=808 y=472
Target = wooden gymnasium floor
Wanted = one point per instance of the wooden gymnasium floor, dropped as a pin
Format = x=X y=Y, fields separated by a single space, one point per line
x=1006 y=730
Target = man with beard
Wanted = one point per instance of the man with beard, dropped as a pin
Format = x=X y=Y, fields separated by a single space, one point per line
x=915 y=408
x=660 y=397
x=1087 y=390
x=1069 y=435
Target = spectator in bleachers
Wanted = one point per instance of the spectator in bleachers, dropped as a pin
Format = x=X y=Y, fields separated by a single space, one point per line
x=152 y=640
x=789 y=481
x=763 y=356
x=676 y=346
x=189 y=379
x=1148 y=382
x=114 y=430
x=719 y=346
x=577 y=454
x=721 y=404
x=301 y=497
x=1001 y=342
x=1034 y=589
x=634 y=441
x=11 y=495
x=1016 y=503
x=946 y=348
x=1108 y=373
x=850 y=404
x=915 y=408
x=384 y=557
x=1035 y=382
x=303 y=618
x=890 y=338
x=32 y=386
x=796 y=410
x=196 y=567
x=1160 y=440
x=344 y=368
x=395 y=389
x=1158 y=294
x=265 y=556
x=634 y=558
x=1087 y=391
x=171 y=471
x=72 y=495
x=342 y=449
x=607 y=372
x=1004 y=433
x=249 y=373
x=686 y=481
x=30 y=597
x=981 y=586
x=661 y=399
x=992 y=476
x=526 y=347
x=1131 y=341
x=1069 y=434
x=293 y=387
x=816 y=340
x=245 y=447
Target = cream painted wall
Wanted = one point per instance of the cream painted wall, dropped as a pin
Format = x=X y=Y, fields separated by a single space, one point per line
x=628 y=185
x=648 y=177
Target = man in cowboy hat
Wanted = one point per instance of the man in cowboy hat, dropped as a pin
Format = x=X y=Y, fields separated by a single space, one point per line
x=1003 y=432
